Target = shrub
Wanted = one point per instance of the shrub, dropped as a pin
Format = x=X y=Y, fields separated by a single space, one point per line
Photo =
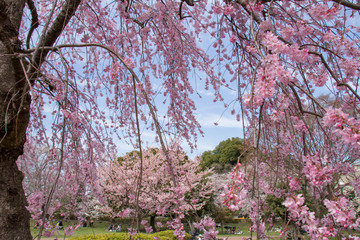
x=168 y=235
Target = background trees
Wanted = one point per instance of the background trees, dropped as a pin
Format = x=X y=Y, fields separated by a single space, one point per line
x=225 y=155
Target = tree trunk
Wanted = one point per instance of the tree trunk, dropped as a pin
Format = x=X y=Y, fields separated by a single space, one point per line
x=15 y=103
x=152 y=222
x=14 y=218
x=14 y=118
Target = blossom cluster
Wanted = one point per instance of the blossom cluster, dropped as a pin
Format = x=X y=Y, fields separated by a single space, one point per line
x=346 y=127
x=208 y=226
x=317 y=170
x=148 y=228
x=235 y=194
x=342 y=212
x=300 y=213
x=178 y=227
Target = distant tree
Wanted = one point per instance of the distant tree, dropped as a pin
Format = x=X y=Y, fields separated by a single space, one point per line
x=225 y=155
x=274 y=207
x=158 y=196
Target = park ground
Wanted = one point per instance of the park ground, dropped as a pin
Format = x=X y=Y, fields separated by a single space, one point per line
x=101 y=227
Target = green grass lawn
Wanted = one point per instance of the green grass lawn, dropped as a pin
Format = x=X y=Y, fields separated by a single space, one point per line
x=244 y=227
x=98 y=228
x=101 y=227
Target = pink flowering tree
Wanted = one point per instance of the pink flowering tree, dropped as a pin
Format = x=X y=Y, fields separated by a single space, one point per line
x=158 y=195
x=296 y=68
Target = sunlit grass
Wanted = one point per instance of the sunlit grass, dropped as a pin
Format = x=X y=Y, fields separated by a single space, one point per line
x=98 y=228
x=101 y=227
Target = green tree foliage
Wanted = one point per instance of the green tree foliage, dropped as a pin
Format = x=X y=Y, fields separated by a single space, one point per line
x=225 y=155
x=274 y=206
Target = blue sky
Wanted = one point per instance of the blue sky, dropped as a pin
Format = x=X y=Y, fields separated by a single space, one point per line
x=208 y=113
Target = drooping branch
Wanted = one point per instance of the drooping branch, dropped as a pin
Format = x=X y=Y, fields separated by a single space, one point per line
x=139 y=182
x=244 y=4
x=189 y=2
x=180 y=8
x=34 y=21
x=254 y=36
x=61 y=163
x=348 y=4
x=300 y=104
x=338 y=82
x=48 y=40
x=147 y=100
x=310 y=96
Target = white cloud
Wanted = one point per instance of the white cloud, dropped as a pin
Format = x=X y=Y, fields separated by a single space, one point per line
x=207 y=93
x=217 y=121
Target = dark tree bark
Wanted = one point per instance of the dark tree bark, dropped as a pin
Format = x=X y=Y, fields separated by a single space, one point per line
x=14 y=218
x=15 y=103
x=152 y=222
x=14 y=117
